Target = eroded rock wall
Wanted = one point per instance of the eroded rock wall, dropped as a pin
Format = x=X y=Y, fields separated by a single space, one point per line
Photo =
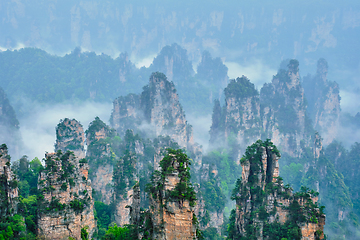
x=284 y=110
x=262 y=199
x=171 y=219
x=324 y=102
x=155 y=112
x=8 y=189
x=66 y=205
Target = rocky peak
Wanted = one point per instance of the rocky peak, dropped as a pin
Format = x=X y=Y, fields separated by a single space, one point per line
x=8 y=185
x=283 y=110
x=70 y=137
x=323 y=102
x=172 y=198
x=322 y=69
x=99 y=156
x=263 y=202
x=155 y=112
x=66 y=202
x=240 y=115
x=66 y=193
x=9 y=126
x=97 y=130
x=174 y=62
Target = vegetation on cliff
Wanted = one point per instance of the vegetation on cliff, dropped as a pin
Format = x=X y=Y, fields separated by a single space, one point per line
x=265 y=207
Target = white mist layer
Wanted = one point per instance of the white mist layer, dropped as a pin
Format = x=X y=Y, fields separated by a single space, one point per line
x=257 y=72
x=201 y=126
x=38 y=127
x=143 y=62
x=349 y=102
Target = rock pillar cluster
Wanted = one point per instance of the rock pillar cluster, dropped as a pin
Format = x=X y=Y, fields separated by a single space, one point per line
x=263 y=202
x=66 y=206
x=155 y=112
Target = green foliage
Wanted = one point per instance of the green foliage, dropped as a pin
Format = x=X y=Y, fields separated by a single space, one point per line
x=240 y=88
x=119 y=233
x=124 y=173
x=84 y=233
x=102 y=213
x=174 y=160
x=302 y=209
x=78 y=205
x=27 y=174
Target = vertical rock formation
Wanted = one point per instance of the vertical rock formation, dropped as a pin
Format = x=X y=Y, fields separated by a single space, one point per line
x=70 y=137
x=66 y=205
x=239 y=119
x=173 y=61
x=124 y=180
x=126 y=113
x=157 y=113
x=100 y=157
x=8 y=185
x=9 y=126
x=278 y=113
x=324 y=102
x=242 y=111
x=283 y=110
x=161 y=107
x=321 y=175
x=172 y=198
x=263 y=203
x=213 y=73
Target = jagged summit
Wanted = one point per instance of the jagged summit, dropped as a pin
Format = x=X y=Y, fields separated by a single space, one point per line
x=323 y=102
x=264 y=204
x=66 y=203
x=157 y=111
x=278 y=112
x=70 y=137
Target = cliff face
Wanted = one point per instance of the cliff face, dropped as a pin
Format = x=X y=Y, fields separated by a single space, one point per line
x=242 y=111
x=263 y=202
x=283 y=110
x=157 y=113
x=9 y=126
x=324 y=102
x=70 y=137
x=99 y=155
x=172 y=199
x=66 y=205
x=321 y=175
x=8 y=186
x=278 y=113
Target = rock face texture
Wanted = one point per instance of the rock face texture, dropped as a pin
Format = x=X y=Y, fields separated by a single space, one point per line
x=263 y=202
x=8 y=186
x=99 y=156
x=323 y=102
x=157 y=110
x=283 y=110
x=278 y=113
x=9 y=126
x=66 y=205
x=324 y=177
x=172 y=199
x=242 y=109
x=70 y=137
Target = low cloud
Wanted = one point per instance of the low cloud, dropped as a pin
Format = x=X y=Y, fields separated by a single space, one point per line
x=257 y=72
x=349 y=101
x=143 y=62
x=201 y=127
x=37 y=127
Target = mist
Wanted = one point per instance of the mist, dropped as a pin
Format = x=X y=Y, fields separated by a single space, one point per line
x=37 y=128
